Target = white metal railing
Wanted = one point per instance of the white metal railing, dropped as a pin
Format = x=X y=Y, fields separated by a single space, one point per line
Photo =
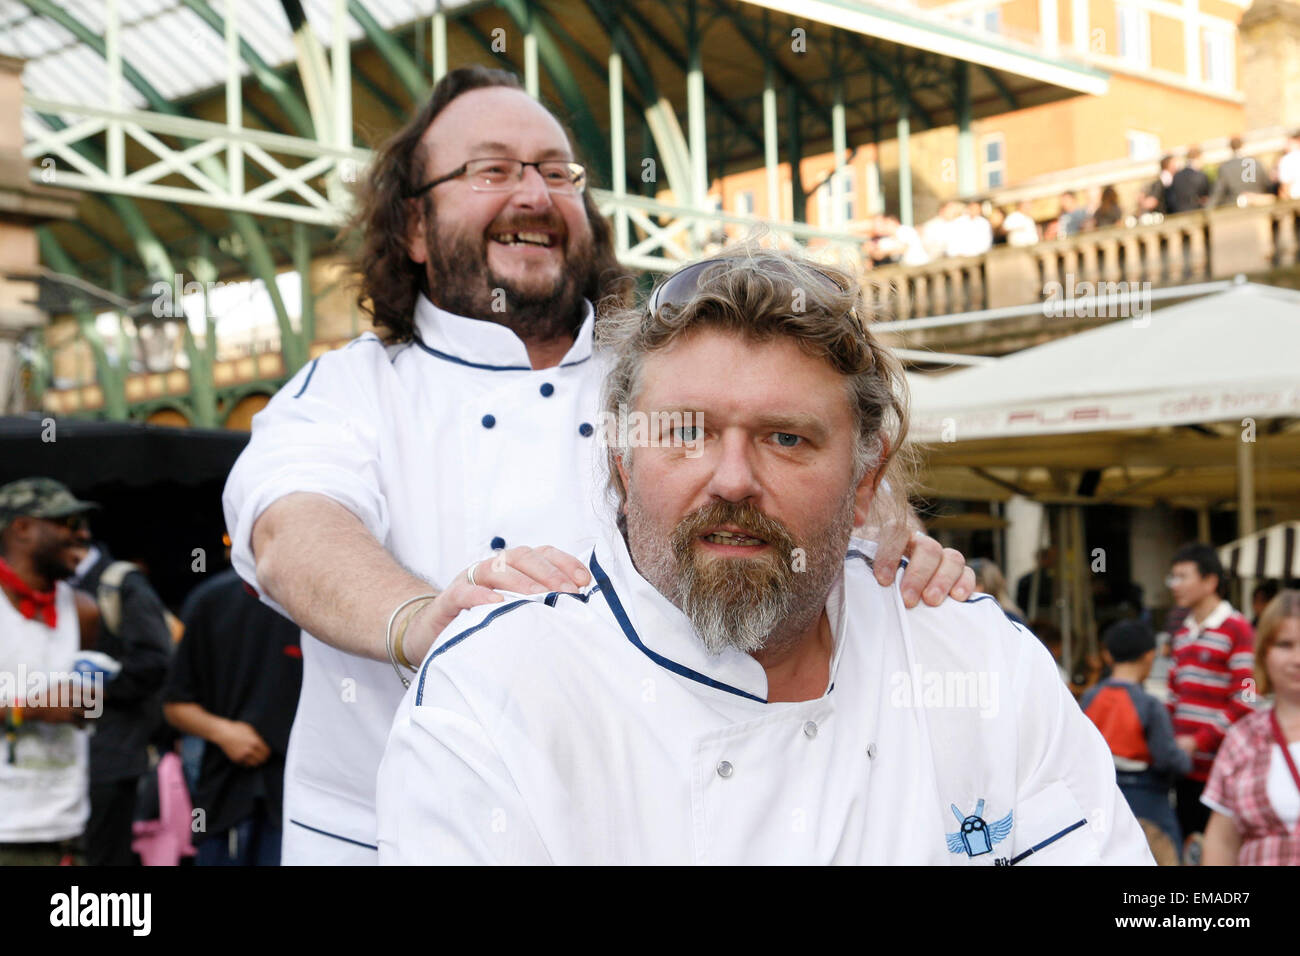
x=300 y=163
x=304 y=176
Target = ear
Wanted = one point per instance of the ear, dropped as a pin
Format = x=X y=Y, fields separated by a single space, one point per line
x=867 y=490
x=416 y=247
x=622 y=476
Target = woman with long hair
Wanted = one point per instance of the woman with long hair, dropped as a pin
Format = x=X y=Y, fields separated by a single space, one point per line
x=1254 y=787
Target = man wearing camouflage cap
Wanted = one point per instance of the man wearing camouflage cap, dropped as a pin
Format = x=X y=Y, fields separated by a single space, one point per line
x=44 y=762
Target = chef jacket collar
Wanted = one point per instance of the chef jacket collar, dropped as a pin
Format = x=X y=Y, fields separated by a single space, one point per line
x=664 y=634
x=486 y=345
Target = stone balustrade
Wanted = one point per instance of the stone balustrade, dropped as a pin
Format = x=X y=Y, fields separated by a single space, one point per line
x=1254 y=240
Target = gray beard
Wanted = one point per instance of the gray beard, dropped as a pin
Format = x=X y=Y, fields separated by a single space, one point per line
x=747 y=605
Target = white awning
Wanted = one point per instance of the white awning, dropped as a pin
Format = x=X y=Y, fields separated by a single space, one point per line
x=1224 y=357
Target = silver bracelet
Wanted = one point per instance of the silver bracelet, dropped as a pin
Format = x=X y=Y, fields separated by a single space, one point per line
x=388 y=636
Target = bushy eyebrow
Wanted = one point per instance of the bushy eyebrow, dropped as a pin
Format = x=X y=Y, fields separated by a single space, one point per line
x=808 y=426
x=502 y=151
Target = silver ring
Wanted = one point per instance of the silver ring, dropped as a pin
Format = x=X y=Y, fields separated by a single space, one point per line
x=470 y=574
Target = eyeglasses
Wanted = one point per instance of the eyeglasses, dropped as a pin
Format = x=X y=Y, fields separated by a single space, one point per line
x=75 y=522
x=682 y=286
x=502 y=175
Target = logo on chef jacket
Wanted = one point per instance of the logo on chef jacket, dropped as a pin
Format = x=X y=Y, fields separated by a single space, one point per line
x=976 y=836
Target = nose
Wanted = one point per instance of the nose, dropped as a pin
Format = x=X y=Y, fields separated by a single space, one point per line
x=734 y=477
x=532 y=191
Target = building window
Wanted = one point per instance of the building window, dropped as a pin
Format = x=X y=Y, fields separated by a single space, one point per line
x=848 y=193
x=1142 y=145
x=1134 y=41
x=1216 y=58
x=745 y=203
x=993 y=154
x=988 y=19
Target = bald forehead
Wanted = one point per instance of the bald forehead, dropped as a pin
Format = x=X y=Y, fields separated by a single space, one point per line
x=496 y=121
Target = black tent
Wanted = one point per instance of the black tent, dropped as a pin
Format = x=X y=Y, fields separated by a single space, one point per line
x=160 y=487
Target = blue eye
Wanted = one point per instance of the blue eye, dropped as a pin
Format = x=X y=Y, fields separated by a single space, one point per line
x=787 y=440
x=687 y=433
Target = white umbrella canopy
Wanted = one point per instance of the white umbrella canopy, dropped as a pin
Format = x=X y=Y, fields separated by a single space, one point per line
x=1227 y=356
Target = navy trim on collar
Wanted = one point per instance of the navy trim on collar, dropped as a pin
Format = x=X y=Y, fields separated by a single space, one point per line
x=310 y=372
x=616 y=606
x=855 y=553
x=548 y=601
x=419 y=691
x=447 y=357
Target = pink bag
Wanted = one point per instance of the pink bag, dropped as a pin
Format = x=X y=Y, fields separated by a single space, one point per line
x=164 y=841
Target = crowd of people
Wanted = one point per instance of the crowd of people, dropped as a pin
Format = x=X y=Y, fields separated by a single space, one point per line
x=1196 y=753
x=111 y=704
x=973 y=227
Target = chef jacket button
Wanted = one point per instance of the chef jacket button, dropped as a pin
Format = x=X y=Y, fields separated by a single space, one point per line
x=585 y=429
x=498 y=543
x=871 y=751
x=547 y=390
x=724 y=769
x=489 y=421
x=810 y=729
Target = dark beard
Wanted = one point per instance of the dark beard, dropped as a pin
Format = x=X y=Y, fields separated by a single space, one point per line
x=46 y=560
x=461 y=283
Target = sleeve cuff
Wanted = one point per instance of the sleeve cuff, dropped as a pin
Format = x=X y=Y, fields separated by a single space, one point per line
x=335 y=484
x=1218 y=807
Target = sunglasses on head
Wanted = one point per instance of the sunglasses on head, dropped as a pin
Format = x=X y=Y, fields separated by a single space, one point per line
x=682 y=286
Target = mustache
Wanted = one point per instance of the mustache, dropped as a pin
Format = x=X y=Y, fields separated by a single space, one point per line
x=739 y=515
x=553 y=223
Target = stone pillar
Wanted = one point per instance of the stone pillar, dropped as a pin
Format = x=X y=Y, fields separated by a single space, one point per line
x=1269 y=63
x=24 y=205
x=1011 y=277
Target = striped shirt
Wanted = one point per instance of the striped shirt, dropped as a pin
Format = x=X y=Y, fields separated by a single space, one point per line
x=1211 y=682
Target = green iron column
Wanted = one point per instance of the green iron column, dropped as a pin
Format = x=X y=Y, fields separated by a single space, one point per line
x=617 y=148
x=965 y=139
x=904 y=163
x=695 y=119
x=839 y=138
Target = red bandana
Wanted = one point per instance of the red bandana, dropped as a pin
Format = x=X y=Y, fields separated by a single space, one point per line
x=30 y=602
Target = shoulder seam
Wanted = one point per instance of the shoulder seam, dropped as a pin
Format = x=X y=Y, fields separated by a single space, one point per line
x=547 y=600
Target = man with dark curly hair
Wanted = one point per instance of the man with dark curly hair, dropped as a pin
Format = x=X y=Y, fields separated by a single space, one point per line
x=396 y=481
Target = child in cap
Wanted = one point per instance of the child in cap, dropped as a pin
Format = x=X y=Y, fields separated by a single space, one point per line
x=1136 y=726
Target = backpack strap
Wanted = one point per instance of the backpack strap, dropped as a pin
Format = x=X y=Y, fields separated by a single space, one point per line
x=109 y=594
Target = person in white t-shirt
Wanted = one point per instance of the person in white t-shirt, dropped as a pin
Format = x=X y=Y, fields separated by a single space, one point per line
x=1019 y=226
x=1288 y=169
x=737 y=687
x=396 y=481
x=45 y=755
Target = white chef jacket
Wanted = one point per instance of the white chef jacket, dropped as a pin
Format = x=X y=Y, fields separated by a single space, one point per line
x=596 y=729
x=446 y=448
x=45 y=790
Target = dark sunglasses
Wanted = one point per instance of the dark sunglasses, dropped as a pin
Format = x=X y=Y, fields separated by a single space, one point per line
x=76 y=522
x=682 y=286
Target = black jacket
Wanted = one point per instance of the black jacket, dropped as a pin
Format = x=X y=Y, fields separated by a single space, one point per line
x=1188 y=190
x=132 y=699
